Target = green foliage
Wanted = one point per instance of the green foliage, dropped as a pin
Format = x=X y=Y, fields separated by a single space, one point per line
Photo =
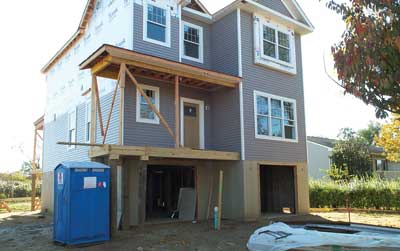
x=17 y=176
x=367 y=58
x=350 y=156
x=2 y=196
x=338 y=174
x=15 y=185
x=370 y=133
x=372 y=193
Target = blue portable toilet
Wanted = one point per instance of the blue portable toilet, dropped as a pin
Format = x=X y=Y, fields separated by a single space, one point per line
x=81 y=203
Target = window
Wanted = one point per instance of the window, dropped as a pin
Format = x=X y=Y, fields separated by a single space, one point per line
x=274 y=45
x=144 y=113
x=381 y=165
x=88 y=121
x=275 y=117
x=72 y=128
x=156 y=24
x=192 y=42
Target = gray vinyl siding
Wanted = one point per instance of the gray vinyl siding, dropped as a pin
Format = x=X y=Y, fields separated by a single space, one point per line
x=263 y=79
x=226 y=120
x=57 y=131
x=224 y=45
x=226 y=111
x=276 y=5
x=145 y=134
x=206 y=44
x=113 y=131
x=149 y=48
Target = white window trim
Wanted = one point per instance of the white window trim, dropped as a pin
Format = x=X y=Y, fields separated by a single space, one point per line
x=73 y=111
x=156 y=120
x=271 y=62
x=167 y=42
x=88 y=118
x=282 y=99
x=201 y=120
x=201 y=42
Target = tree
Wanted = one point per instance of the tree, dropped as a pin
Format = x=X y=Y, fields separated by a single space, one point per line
x=26 y=168
x=367 y=60
x=370 y=133
x=389 y=139
x=350 y=156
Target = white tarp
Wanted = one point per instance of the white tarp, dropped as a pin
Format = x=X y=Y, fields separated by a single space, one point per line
x=299 y=237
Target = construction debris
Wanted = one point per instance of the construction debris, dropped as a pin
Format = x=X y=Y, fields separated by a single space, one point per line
x=281 y=237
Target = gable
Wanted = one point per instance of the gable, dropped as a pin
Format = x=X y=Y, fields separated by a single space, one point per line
x=195 y=5
x=276 y=5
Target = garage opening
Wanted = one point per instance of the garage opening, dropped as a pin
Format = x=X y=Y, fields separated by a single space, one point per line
x=277 y=189
x=163 y=189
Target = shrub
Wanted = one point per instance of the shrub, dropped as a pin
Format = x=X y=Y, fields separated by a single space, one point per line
x=18 y=188
x=363 y=193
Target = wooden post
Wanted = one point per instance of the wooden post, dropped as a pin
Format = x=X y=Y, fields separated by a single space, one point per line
x=93 y=120
x=125 y=197
x=221 y=180
x=210 y=197
x=121 y=72
x=96 y=92
x=121 y=104
x=33 y=192
x=177 y=119
x=113 y=163
x=142 y=192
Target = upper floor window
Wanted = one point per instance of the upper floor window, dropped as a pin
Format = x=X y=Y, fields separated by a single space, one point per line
x=144 y=113
x=192 y=42
x=274 y=45
x=72 y=128
x=275 y=117
x=157 y=24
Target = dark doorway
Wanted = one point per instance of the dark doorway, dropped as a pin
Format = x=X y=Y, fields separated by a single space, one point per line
x=277 y=189
x=163 y=186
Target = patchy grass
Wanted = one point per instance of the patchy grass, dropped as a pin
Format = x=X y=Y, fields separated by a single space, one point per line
x=17 y=207
x=370 y=218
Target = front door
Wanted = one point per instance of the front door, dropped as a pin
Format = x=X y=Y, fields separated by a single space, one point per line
x=191 y=125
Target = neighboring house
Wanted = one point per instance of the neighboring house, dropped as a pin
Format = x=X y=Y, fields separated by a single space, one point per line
x=385 y=168
x=197 y=93
x=319 y=151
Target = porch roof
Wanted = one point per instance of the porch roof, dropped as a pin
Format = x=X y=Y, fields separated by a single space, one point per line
x=106 y=61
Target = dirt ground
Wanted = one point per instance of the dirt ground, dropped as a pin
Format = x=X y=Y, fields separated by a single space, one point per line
x=380 y=219
x=27 y=231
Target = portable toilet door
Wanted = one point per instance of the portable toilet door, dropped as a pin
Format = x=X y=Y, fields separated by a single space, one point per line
x=81 y=205
x=61 y=196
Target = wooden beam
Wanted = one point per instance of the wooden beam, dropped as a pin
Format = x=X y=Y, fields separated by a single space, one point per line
x=98 y=67
x=122 y=84
x=177 y=111
x=96 y=90
x=121 y=72
x=157 y=152
x=152 y=106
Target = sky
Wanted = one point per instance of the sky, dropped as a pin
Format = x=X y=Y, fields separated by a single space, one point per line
x=33 y=31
